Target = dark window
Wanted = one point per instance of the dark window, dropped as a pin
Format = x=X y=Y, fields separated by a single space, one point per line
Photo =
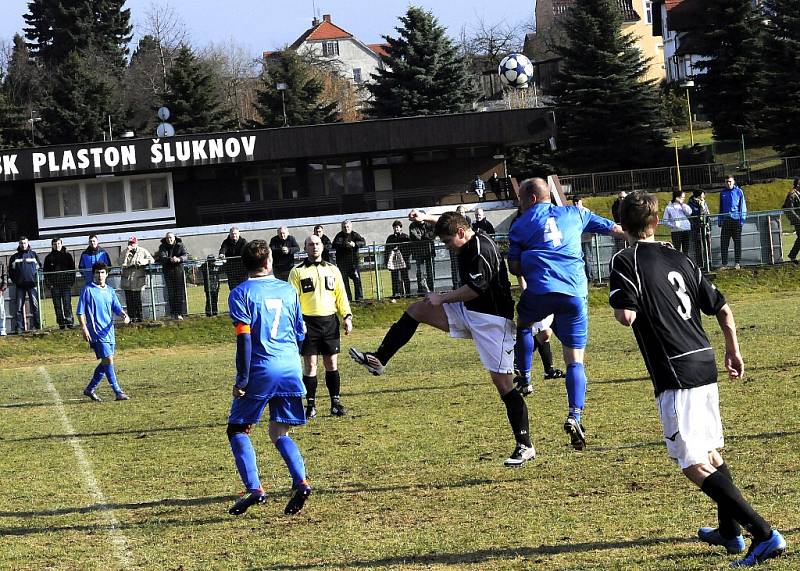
x=330 y=48
x=357 y=75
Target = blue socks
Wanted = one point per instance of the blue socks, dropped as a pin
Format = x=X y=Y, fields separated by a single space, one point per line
x=111 y=375
x=99 y=371
x=576 y=389
x=523 y=351
x=294 y=460
x=245 y=456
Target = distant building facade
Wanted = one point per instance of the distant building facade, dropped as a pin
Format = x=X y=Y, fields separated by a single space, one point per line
x=677 y=22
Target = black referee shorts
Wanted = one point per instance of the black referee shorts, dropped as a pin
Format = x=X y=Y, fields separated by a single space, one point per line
x=322 y=335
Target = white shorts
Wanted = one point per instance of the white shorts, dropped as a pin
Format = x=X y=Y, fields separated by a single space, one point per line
x=691 y=422
x=494 y=335
x=540 y=326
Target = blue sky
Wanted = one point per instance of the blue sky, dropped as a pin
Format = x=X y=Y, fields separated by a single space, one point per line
x=260 y=25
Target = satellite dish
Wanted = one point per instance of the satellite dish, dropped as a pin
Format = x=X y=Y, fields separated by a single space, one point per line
x=165 y=130
x=163 y=113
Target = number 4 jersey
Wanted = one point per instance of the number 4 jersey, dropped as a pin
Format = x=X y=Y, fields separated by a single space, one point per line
x=667 y=292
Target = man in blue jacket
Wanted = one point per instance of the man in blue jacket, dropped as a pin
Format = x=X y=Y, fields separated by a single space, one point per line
x=90 y=256
x=22 y=269
x=732 y=214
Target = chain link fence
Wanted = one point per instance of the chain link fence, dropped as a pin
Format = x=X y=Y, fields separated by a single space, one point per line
x=406 y=269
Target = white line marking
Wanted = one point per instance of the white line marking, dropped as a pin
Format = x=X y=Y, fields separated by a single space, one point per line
x=90 y=483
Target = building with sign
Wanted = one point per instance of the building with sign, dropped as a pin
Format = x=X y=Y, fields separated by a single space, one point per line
x=266 y=174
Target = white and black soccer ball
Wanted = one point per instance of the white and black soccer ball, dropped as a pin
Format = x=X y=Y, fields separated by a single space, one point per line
x=516 y=70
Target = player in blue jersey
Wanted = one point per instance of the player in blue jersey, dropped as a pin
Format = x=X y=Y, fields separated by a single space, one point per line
x=269 y=326
x=545 y=249
x=97 y=305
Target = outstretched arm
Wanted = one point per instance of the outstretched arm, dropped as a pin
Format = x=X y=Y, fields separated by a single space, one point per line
x=416 y=215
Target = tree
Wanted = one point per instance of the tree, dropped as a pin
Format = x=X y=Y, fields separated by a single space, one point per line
x=422 y=73
x=165 y=26
x=609 y=115
x=485 y=45
x=83 y=96
x=12 y=122
x=727 y=39
x=781 y=68
x=235 y=72
x=57 y=28
x=144 y=86
x=193 y=101
x=301 y=96
x=23 y=83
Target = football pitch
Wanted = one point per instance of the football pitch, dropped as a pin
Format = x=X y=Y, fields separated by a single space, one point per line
x=411 y=478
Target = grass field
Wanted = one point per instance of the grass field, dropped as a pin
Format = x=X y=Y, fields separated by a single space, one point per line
x=411 y=479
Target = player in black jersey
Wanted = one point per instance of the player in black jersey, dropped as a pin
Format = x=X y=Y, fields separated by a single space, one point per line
x=482 y=309
x=660 y=293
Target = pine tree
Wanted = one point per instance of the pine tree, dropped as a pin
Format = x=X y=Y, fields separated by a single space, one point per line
x=57 y=28
x=144 y=86
x=301 y=96
x=781 y=68
x=83 y=97
x=422 y=72
x=13 y=132
x=192 y=99
x=727 y=38
x=609 y=115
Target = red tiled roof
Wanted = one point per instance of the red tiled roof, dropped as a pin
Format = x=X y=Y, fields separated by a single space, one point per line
x=325 y=30
x=379 y=49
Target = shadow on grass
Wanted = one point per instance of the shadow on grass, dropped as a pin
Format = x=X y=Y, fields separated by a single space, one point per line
x=486 y=555
x=209 y=500
x=138 y=431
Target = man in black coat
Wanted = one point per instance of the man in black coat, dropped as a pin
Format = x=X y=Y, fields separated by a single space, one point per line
x=172 y=255
x=482 y=223
x=59 y=276
x=346 y=244
x=284 y=247
x=327 y=246
x=231 y=251
x=422 y=247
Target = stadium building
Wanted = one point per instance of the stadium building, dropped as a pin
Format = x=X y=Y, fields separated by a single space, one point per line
x=131 y=185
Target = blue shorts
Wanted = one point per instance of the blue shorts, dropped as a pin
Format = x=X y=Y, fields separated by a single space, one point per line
x=570 y=315
x=286 y=410
x=102 y=349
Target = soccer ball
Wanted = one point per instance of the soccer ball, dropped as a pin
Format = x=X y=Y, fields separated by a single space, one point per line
x=515 y=70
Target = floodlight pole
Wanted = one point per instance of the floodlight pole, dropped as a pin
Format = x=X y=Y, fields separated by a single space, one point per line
x=678 y=165
x=282 y=87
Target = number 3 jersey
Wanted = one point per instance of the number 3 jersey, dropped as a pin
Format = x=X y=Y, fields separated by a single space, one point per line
x=272 y=310
x=546 y=240
x=667 y=292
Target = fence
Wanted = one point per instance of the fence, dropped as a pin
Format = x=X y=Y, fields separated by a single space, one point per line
x=391 y=270
x=692 y=176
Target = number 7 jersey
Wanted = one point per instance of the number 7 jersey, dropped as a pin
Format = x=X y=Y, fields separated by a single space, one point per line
x=667 y=292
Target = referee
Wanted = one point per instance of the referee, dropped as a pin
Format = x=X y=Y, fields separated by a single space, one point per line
x=324 y=303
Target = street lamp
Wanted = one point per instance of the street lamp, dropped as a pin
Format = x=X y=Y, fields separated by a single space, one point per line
x=282 y=87
x=33 y=121
x=689 y=83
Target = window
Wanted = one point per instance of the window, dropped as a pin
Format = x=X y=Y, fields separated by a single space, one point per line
x=648 y=11
x=61 y=200
x=149 y=193
x=330 y=48
x=357 y=75
x=105 y=197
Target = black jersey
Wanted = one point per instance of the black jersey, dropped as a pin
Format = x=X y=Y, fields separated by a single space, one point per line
x=483 y=269
x=667 y=292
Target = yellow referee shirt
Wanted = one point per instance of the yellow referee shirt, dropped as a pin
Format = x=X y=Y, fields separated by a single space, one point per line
x=321 y=289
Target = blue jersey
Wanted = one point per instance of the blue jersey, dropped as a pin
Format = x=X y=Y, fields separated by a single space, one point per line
x=99 y=304
x=546 y=240
x=272 y=310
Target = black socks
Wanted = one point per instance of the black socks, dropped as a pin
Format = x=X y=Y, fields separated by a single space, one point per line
x=398 y=335
x=721 y=489
x=311 y=388
x=517 y=416
x=728 y=527
x=333 y=382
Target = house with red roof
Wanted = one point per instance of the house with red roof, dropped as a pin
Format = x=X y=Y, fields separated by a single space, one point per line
x=326 y=41
x=678 y=22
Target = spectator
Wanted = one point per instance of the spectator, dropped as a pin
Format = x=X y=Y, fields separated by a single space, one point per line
x=231 y=251
x=172 y=255
x=422 y=235
x=133 y=261
x=284 y=247
x=327 y=247
x=211 y=270
x=618 y=243
x=454 y=272
x=90 y=256
x=478 y=187
x=676 y=216
x=3 y=228
x=495 y=186
x=23 y=266
x=3 y=286
x=398 y=258
x=792 y=206
x=732 y=214
x=701 y=233
x=59 y=276
x=346 y=244
x=482 y=223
